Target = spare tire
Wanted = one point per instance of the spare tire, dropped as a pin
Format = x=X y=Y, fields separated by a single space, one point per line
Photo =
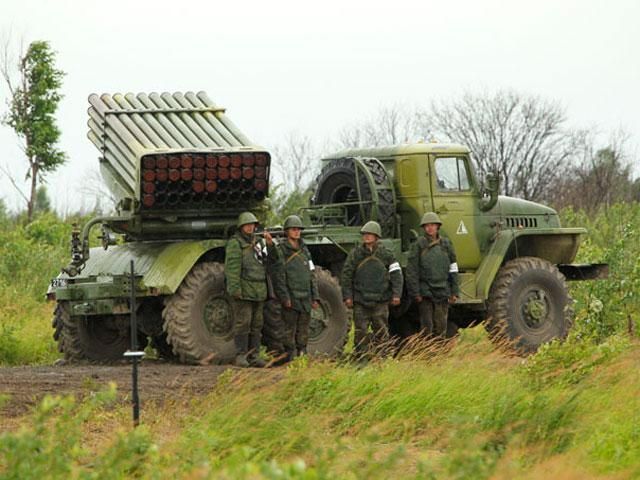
x=337 y=184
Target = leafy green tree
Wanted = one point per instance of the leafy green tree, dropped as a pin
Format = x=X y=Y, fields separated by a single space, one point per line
x=34 y=99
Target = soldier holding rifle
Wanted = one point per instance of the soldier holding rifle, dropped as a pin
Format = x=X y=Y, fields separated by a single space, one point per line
x=247 y=259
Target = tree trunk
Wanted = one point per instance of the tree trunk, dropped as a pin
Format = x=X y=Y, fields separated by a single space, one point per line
x=34 y=183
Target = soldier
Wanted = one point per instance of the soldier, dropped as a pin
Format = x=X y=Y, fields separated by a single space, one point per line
x=300 y=294
x=371 y=277
x=432 y=276
x=246 y=262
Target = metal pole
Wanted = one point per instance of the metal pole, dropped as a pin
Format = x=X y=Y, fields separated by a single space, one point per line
x=134 y=354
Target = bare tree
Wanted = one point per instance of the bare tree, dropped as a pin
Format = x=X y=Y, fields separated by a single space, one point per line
x=295 y=162
x=390 y=125
x=522 y=138
x=601 y=177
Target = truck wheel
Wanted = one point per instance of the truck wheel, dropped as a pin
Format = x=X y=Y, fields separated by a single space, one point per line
x=197 y=318
x=329 y=325
x=96 y=338
x=529 y=304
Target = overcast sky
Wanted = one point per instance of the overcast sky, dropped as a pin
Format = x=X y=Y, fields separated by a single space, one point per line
x=316 y=66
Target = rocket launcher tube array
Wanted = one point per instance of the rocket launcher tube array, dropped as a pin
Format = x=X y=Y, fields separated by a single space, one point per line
x=202 y=180
x=127 y=127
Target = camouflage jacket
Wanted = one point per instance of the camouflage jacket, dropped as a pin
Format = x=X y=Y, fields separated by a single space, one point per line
x=245 y=267
x=300 y=284
x=371 y=277
x=432 y=269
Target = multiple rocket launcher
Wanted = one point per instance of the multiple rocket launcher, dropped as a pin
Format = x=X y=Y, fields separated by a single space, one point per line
x=176 y=152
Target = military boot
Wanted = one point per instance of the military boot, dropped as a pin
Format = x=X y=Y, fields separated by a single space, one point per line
x=242 y=345
x=254 y=352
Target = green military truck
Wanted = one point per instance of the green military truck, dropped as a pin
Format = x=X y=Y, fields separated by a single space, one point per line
x=513 y=255
x=182 y=172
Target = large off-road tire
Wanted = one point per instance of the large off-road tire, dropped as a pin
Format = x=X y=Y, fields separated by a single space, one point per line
x=529 y=304
x=97 y=338
x=329 y=325
x=198 y=319
x=336 y=183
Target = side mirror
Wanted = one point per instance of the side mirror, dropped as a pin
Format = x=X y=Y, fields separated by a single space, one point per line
x=490 y=192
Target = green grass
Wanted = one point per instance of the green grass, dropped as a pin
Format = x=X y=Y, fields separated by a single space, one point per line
x=467 y=413
x=29 y=257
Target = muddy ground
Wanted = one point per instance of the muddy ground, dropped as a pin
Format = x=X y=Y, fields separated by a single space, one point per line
x=158 y=381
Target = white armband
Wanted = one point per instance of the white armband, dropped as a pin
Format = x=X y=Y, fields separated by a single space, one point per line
x=394 y=267
x=311 y=265
x=453 y=268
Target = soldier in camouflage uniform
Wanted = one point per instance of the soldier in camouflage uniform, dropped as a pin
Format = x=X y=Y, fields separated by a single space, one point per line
x=432 y=276
x=300 y=294
x=371 y=279
x=246 y=261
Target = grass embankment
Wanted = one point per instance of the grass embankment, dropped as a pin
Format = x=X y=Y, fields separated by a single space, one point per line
x=469 y=413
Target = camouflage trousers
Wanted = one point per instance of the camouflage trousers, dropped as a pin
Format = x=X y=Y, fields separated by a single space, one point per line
x=297 y=325
x=376 y=316
x=274 y=330
x=247 y=317
x=433 y=317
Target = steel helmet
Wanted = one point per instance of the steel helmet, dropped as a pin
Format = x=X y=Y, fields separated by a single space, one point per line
x=293 y=221
x=372 y=227
x=246 y=217
x=430 y=217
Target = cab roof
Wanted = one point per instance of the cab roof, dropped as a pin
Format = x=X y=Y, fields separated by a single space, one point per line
x=401 y=149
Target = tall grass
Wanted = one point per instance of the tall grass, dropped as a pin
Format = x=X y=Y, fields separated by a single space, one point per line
x=29 y=257
x=465 y=412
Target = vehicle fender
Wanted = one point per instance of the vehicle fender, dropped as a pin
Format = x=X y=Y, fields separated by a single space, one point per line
x=162 y=265
x=557 y=245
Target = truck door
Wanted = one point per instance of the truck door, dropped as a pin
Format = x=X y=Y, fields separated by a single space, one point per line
x=454 y=200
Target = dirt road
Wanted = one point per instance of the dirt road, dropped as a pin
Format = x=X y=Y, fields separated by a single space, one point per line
x=158 y=381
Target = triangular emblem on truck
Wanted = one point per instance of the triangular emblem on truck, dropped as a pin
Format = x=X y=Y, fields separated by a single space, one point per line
x=462 y=229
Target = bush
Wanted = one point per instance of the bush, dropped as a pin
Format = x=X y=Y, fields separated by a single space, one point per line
x=606 y=307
